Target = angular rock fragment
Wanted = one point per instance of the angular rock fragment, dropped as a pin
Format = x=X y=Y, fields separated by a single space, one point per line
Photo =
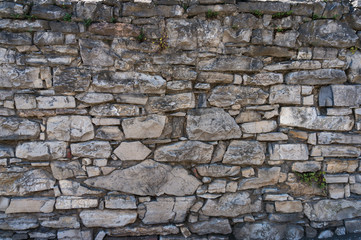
x=19 y=223
x=144 y=230
x=172 y=102
x=211 y=124
x=95 y=53
x=217 y=170
x=288 y=152
x=335 y=151
x=9 y=9
x=259 y=127
x=61 y=222
x=71 y=202
x=211 y=226
x=63 y=170
x=15 y=38
x=120 y=202
x=73 y=188
x=332 y=210
x=132 y=151
x=20 y=77
x=316 y=77
x=92 y=149
x=48 y=12
x=185 y=151
x=114 y=110
x=29 y=205
x=54 y=102
x=114 y=29
x=244 y=153
x=94 y=98
x=19 y=184
x=150 y=126
x=107 y=218
x=340 y=96
x=307 y=117
x=109 y=133
x=70 y=128
x=12 y=128
x=41 y=150
x=6 y=151
x=231 y=205
x=285 y=94
x=71 y=79
x=266 y=177
x=231 y=64
x=148 y=178
x=263 y=79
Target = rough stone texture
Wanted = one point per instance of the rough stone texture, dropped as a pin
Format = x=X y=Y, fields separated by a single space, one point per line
x=307 y=117
x=217 y=170
x=71 y=79
x=230 y=64
x=12 y=128
x=285 y=94
x=70 y=202
x=107 y=218
x=41 y=150
x=73 y=188
x=95 y=53
x=214 y=225
x=288 y=152
x=54 y=102
x=335 y=151
x=185 y=151
x=20 y=205
x=265 y=177
x=70 y=128
x=211 y=124
x=316 y=77
x=63 y=170
x=259 y=127
x=328 y=33
x=172 y=102
x=132 y=151
x=338 y=138
x=145 y=230
x=144 y=127
x=244 y=153
x=94 y=149
x=120 y=202
x=114 y=110
x=149 y=178
x=332 y=210
x=231 y=205
x=263 y=79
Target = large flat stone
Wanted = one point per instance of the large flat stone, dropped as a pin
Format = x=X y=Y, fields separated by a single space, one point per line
x=115 y=110
x=259 y=127
x=332 y=210
x=228 y=95
x=288 y=152
x=20 y=77
x=316 y=77
x=132 y=151
x=19 y=223
x=244 y=153
x=266 y=177
x=328 y=33
x=144 y=230
x=285 y=94
x=73 y=188
x=61 y=222
x=231 y=64
x=148 y=178
x=64 y=169
x=71 y=79
x=114 y=29
x=263 y=79
x=95 y=53
x=172 y=102
x=307 y=117
x=217 y=170
x=128 y=82
x=184 y=151
x=14 y=128
x=120 y=202
x=93 y=149
x=72 y=202
x=9 y=9
x=211 y=226
x=340 y=138
x=167 y=209
x=108 y=218
x=335 y=151
x=70 y=128
x=31 y=205
x=150 y=126
x=15 y=38
x=241 y=203
x=19 y=184
x=54 y=102
x=41 y=150
x=211 y=124
x=340 y=96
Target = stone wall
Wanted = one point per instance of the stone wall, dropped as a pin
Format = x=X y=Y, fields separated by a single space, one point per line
x=207 y=119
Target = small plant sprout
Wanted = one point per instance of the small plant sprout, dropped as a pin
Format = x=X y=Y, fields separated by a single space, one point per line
x=211 y=14
x=313 y=178
x=257 y=13
x=185 y=6
x=282 y=14
x=141 y=37
x=353 y=50
x=162 y=42
x=67 y=17
x=30 y=17
x=234 y=27
x=280 y=29
x=113 y=20
x=87 y=22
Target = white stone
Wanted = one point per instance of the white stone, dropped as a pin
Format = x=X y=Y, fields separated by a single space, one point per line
x=53 y=102
x=150 y=126
x=132 y=151
x=288 y=152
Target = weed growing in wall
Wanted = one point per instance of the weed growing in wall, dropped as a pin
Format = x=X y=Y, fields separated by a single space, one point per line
x=353 y=50
x=67 y=17
x=211 y=14
x=282 y=15
x=257 y=13
x=87 y=22
x=141 y=37
x=313 y=178
x=162 y=42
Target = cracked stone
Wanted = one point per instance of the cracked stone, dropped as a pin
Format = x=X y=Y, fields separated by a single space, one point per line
x=92 y=149
x=73 y=188
x=29 y=205
x=12 y=128
x=150 y=126
x=332 y=210
x=63 y=170
x=41 y=150
x=288 y=152
x=212 y=226
x=244 y=153
x=71 y=202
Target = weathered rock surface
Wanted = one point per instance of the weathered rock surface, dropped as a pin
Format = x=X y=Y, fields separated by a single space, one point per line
x=340 y=96
x=211 y=124
x=150 y=126
x=19 y=184
x=19 y=223
x=266 y=177
x=41 y=150
x=285 y=94
x=172 y=102
x=224 y=96
x=213 y=225
x=28 y=205
x=107 y=218
x=335 y=151
x=244 y=153
x=263 y=79
x=54 y=102
x=132 y=151
x=20 y=77
x=114 y=110
x=217 y=170
x=288 y=152
x=73 y=188
x=166 y=210
x=231 y=205
x=328 y=33
x=121 y=202
x=332 y=210
x=340 y=138
x=307 y=117
x=114 y=29
x=92 y=149
x=71 y=202
x=61 y=222
x=95 y=53
x=63 y=170
x=259 y=127
x=70 y=128
x=316 y=77
x=148 y=178
x=129 y=82
x=71 y=79
x=231 y=64
x=144 y=230
x=6 y=151
x=184 y=151
x=12 y=128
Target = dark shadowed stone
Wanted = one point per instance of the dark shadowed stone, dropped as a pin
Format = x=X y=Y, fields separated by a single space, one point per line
x=64 y=27
x=48 y=38
x=224 y=96
x=211 y=124
x=20 y=25
x=264 y=7
x=149 y=178
x=144 y=230
x=48 y=12
x=340 y=96
x=11 y=9
x=231 y=205
x=12 y=128
x=270 y=51
x=316 y=77
x=213 y=225
x=114 y=29
x=354 y=19
x=15 y=38
x=332 y=210
x=325 y=98
x=18 y=223
x=244 y=153
x=231 y=64
x=307 y=117
x=71 y=79
x=328 y=33
x=19 y=184
x=20 y=77
x=184 y=151
x=95 y=53
x=6 y=151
